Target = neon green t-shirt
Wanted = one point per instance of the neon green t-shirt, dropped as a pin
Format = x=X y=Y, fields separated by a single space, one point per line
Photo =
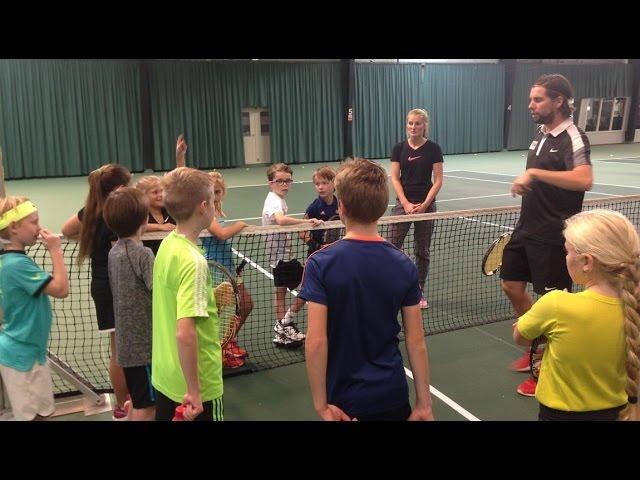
x=182 y=288
x=583 y=366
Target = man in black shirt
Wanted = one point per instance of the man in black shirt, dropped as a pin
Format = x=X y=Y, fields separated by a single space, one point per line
x=552 y=188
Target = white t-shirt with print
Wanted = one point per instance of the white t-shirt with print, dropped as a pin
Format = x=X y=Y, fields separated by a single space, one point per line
x=278 y=244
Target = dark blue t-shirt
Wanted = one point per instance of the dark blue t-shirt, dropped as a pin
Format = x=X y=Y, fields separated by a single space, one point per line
x=364 y=284
x=322 y=211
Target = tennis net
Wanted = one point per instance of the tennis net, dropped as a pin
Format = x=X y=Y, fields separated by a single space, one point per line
x=459 y=295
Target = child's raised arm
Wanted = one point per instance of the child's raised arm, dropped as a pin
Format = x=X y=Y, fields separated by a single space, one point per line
x=181 y=152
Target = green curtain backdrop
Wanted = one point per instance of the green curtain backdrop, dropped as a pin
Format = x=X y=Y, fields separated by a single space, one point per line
x=204 y=100
x=611 y=80
x=384 y=93
x=68 y=117
x=465 y=105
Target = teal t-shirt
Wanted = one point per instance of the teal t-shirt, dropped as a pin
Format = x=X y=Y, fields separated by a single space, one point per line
x=24 y=334
x=182 y=287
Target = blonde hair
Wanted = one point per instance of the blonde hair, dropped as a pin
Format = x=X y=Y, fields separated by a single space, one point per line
x=613 y=242
x=278 y=167
x=325 y=172
x=184 y=189
x=425 y=118
x=361 y=186
x=218 y=181
x=147 y=183
x=6 y=204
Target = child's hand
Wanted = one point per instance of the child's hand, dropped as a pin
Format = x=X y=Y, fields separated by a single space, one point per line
x=51 y=240
x=244 y=224
x=181 y=147
x=315 y=222
x=168 y=227
x=193 y=405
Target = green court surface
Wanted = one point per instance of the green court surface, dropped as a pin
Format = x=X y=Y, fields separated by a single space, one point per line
x=469 y=367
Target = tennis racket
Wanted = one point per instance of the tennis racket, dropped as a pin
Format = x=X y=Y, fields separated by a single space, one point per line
x=492 y=260
x=330 y=235
x=535 y=359
x=227 y=295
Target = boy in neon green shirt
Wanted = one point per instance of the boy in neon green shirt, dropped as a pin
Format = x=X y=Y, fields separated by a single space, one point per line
x=186 y=356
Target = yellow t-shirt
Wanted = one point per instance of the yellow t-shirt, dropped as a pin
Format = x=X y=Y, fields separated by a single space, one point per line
x=583 y=366
x=182 y=288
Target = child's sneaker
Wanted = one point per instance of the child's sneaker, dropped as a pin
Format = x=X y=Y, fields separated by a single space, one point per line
x=229 y=361
x=236 y=350
x=528 y=387
x=121 y=413
x=290 y=331
x=285 y=342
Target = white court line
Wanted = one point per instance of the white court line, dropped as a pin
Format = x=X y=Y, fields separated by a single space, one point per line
x=509 y=183
x=509 y=175
x=447 y=400
x=259 y=268
x=486 y=223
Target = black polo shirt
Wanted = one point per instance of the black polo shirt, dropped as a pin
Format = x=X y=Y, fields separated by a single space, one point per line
x=546 y=207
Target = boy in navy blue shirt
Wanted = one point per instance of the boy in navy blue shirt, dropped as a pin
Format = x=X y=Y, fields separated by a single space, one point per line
x=355 y=288
x=322 y=208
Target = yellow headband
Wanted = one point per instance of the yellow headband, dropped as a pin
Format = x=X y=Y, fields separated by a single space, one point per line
x=16 y=214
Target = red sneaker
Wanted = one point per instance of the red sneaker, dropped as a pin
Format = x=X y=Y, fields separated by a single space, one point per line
x=229 y=361
x=236 y=350
x=521 y=364
x=528 y=387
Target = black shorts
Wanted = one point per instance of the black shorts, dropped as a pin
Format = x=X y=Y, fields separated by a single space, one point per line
x=543 y=265
x=166 y=408
x=288 y=274
x=138 y=379
x=551 y=414
x=103 y=301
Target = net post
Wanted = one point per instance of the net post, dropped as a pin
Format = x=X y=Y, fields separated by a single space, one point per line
x=65 y=372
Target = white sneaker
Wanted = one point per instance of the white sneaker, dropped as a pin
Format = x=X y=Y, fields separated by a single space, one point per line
x=290 y=331
x=282 y=341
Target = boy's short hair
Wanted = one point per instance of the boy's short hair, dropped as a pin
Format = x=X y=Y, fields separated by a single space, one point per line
x=184 y=189
x=361 y=186
x=125 y=210
x=6 y=204
x=324 y=172
x=278 y=167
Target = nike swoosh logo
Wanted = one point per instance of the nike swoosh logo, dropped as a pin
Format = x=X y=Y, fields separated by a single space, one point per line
x=548 y=289
x=553 y=151
x=411 y=159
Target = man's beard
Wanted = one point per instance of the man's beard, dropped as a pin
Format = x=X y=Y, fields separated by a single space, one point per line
x=544 y=119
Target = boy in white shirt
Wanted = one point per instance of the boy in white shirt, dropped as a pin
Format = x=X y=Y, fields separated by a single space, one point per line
x=274 y=212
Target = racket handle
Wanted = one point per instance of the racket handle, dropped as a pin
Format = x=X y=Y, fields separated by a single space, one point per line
x=241 y=266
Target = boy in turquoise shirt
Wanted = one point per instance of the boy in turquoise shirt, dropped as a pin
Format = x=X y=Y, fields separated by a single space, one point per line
x=24 y=299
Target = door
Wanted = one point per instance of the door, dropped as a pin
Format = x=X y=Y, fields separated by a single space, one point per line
x=255 y=133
